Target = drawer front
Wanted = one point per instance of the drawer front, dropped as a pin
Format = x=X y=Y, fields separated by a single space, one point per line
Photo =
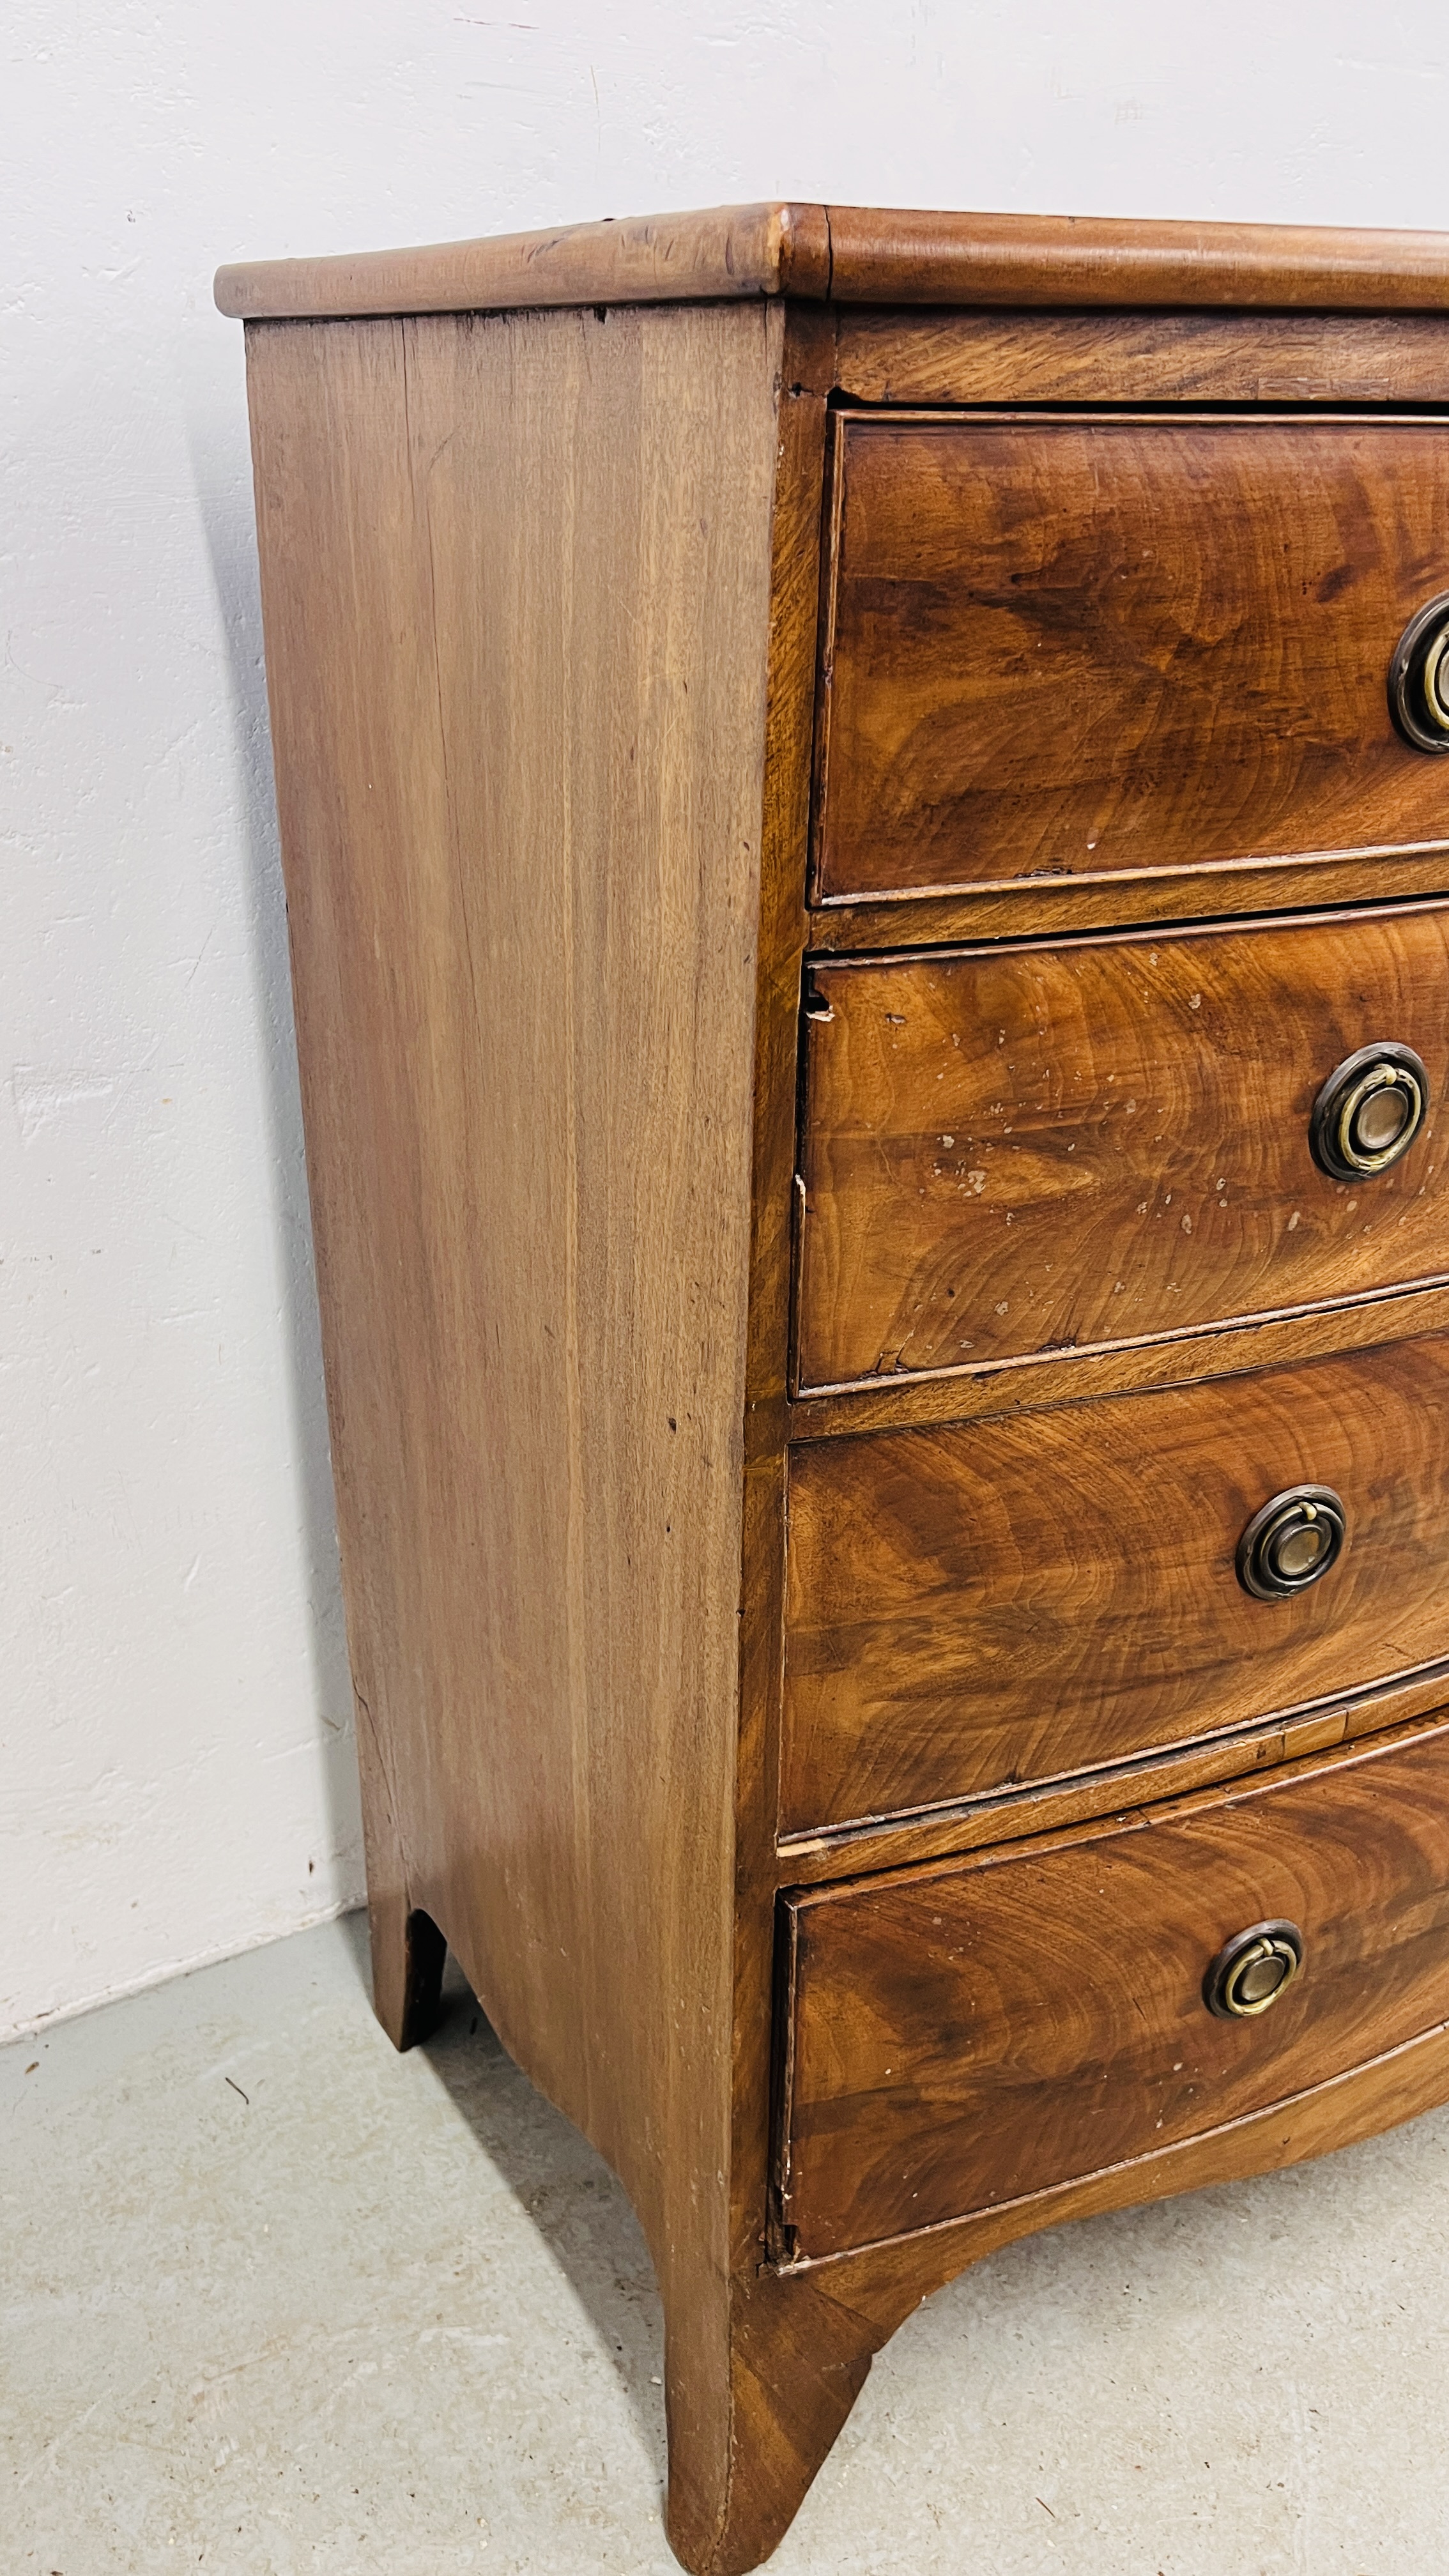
x=972 y=2033
x=1037 y=1148
x=1078 y=646
x=1019 y=1599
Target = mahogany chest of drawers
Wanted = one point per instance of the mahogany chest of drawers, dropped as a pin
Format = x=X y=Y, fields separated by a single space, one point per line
x=868 y=863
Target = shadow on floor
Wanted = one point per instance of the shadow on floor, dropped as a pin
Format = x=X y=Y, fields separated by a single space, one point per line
x=575 y=2203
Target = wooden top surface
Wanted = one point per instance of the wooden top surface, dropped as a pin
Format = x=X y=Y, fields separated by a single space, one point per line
x=860 y=255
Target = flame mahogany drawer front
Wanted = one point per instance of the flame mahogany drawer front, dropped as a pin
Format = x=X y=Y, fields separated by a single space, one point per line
x=970 y=2034
x=1088 y=646
x=994 y=1603
x=1026 y=1148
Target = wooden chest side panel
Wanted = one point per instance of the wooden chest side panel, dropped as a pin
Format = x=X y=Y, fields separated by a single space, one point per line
x=966 y=2036
x=1022 y=1598
x=1031 y=1149
x=516 y=587
x=1076 y=646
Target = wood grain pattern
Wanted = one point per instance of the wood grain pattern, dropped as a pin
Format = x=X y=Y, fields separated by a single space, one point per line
x=1122 y=1368
x=516 y=583
x=724 y=252
x=973 y=2034
x=859 y=254
x=1012 y=1813
x=808 y=2338
x=962 y=357
x=1398 y=2085
x=1028 y=1150
x=1024 y=1599
x=1062 y=646
x=898 y=257
x=1055 y=907
x=808 y=2332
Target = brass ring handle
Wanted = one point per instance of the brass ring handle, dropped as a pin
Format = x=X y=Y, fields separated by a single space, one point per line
x=1419 y=677
x=1291 y=1542
x=1253 y=1970
x=1369 y=1111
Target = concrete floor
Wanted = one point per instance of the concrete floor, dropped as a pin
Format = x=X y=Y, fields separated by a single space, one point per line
x=276 y=2300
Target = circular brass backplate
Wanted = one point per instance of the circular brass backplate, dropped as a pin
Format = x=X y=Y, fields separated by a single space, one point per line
x=1291 y=1542
x=1369 y=1111
x=1419 y=677
x=1253 y=1971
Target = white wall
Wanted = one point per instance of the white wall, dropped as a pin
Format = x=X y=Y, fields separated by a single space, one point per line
x=176 y=1766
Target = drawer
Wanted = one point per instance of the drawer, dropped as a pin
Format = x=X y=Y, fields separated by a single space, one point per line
x=1028 y=1149
x=968 y=2034
x=1023 y=1598
x=1087 y=645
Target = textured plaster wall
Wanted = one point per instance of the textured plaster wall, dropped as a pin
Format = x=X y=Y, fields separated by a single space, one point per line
x=176 y=1764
